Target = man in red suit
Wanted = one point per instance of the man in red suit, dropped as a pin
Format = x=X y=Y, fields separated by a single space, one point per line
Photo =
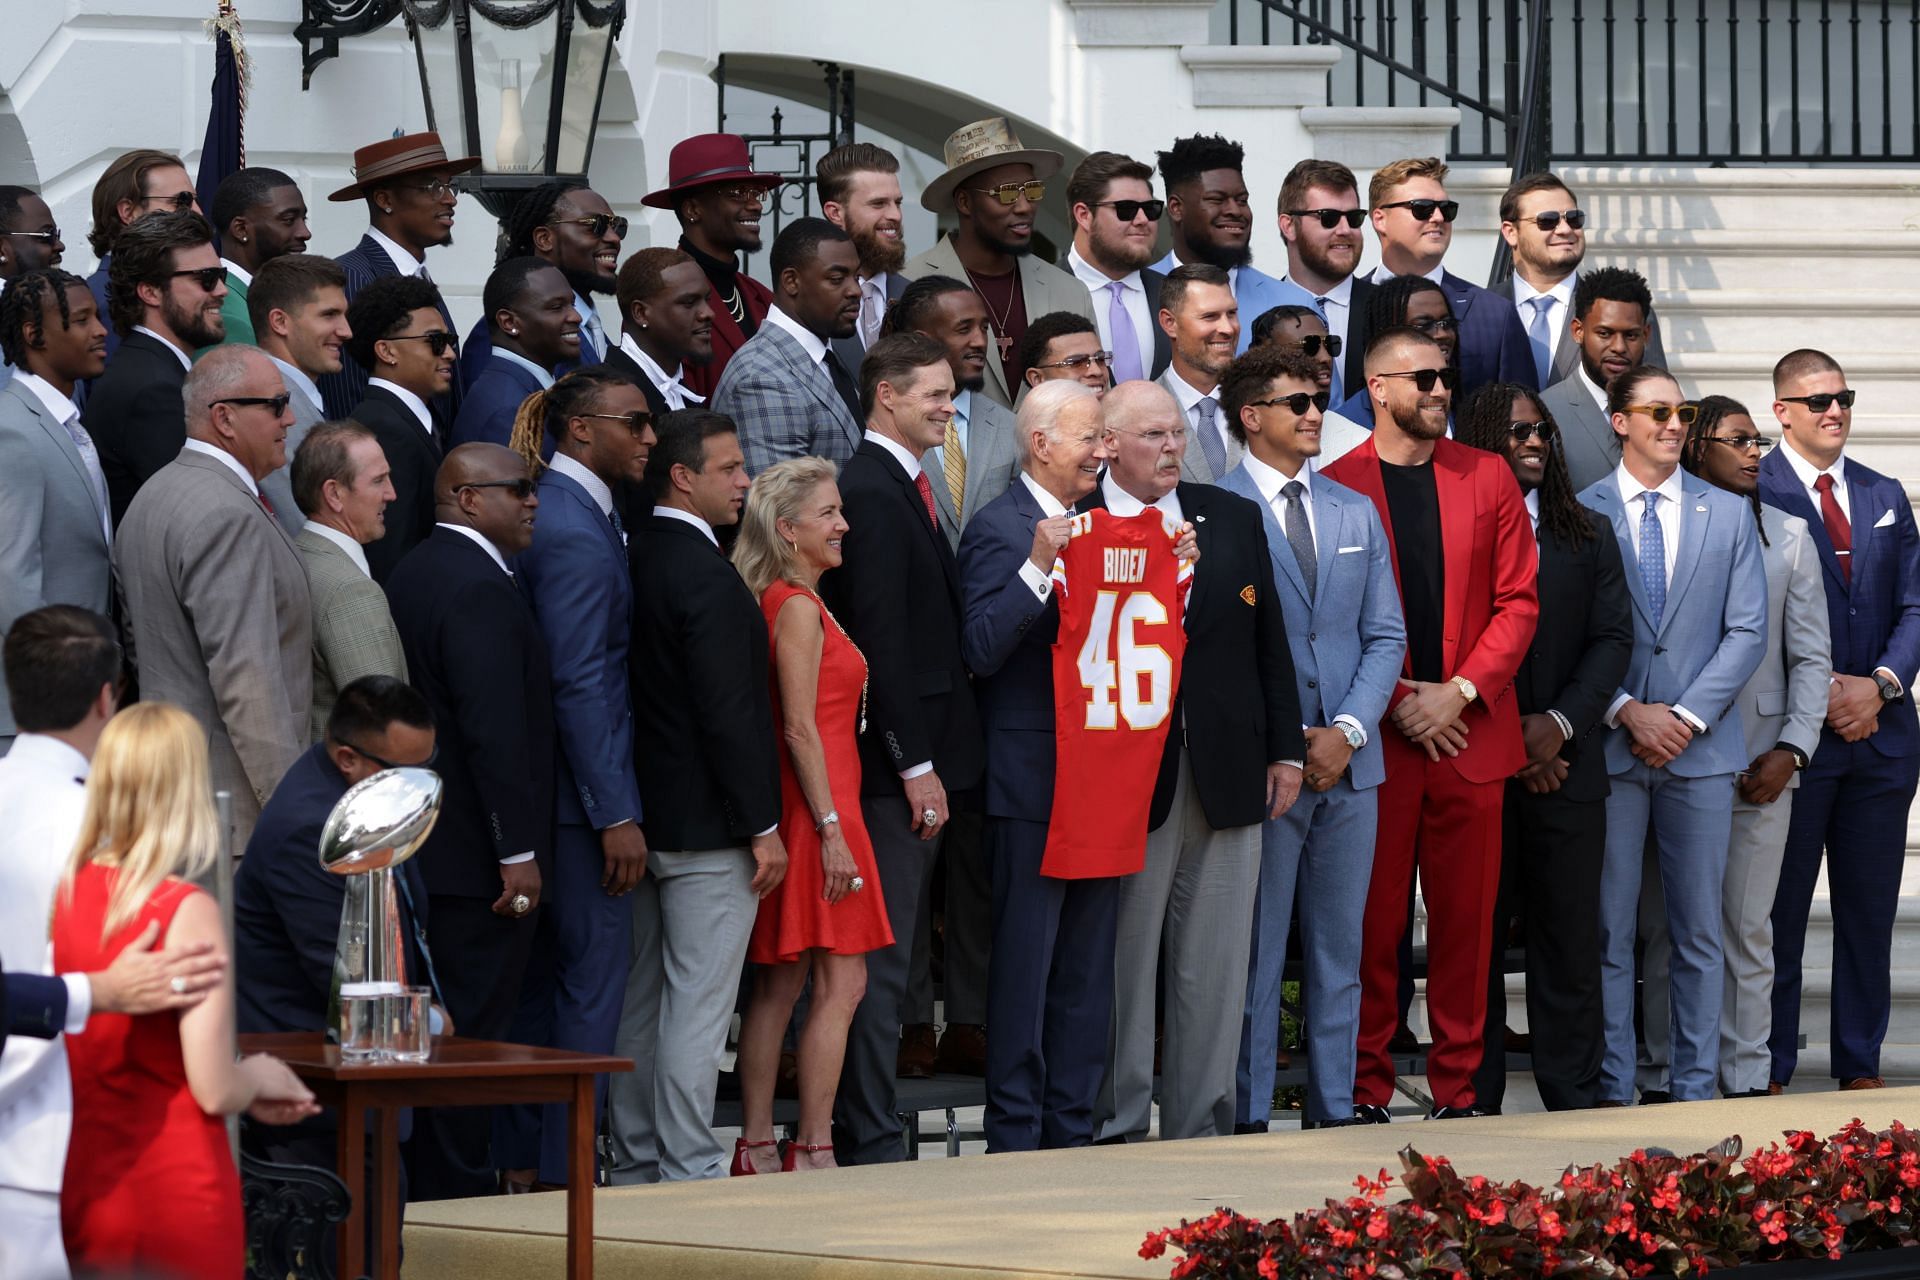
x=718 y=198
x=1464 y=558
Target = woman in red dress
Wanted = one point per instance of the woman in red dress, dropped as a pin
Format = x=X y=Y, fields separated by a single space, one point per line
x=828 y=912
x=150 y=1185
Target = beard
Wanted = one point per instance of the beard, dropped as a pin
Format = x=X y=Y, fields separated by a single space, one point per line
x=975 y=383
x=1321 y=263
x=193 y=326
x=878 y=256
x=998 y=245
x=1224 y=256
x=1411 y=420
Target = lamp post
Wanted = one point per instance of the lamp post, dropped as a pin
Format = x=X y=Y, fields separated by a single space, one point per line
x=516 y=82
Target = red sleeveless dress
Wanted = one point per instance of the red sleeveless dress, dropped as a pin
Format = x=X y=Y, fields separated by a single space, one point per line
x=795 y=918
x=150 y=1184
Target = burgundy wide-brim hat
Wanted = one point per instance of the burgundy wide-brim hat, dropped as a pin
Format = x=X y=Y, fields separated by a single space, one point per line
x=395 y=157
x=705 y=160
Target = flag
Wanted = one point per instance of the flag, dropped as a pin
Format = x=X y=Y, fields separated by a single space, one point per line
x=224 y=150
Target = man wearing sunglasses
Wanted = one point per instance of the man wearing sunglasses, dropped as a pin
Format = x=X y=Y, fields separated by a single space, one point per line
x=1546 y=231
x=1065 y=345
x=1854 y=798
x=1301 y=330
x=1466 y=562
x=1413 y=219
x=1320 y=220
x=1115 y=221
x=29 y=241
x=1612 y=311
x=260 y=215
x=214 y=589
x=994 y=185
x=133 y=186
x=1333 y=572
x=167 y=289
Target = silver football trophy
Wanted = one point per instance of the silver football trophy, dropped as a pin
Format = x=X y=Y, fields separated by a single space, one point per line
x=374 y=828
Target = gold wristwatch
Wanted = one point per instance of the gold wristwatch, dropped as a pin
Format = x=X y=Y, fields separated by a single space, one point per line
x=1465 y=686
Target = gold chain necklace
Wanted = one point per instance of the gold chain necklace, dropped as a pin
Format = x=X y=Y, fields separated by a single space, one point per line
x=1002 y=338
x=850 y=644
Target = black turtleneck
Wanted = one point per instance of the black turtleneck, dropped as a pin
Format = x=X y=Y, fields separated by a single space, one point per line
x=722 y=274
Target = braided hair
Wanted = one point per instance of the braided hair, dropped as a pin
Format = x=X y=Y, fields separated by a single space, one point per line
x=1709 y=413
x=24 y=303
x=1484 y=420
x=543 y=415
x=529 y=212
x=1387 y=304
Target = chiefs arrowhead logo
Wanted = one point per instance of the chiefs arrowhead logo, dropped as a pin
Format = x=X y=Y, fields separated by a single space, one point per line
x=1246 y=593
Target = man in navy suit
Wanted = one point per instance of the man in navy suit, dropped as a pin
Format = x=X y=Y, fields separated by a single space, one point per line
x=535 y=332
x=1854 y=798
x=401 y=338
x=1333 y=572
x=1413 y=219
x=596 y=422
x=570 y=225
x=1050 y=979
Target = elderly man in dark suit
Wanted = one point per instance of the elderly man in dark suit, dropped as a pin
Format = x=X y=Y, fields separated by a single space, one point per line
x=474 y=650
x=216 y=597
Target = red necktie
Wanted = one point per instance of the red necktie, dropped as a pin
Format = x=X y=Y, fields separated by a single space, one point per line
x=1839 y=532
x=925 y=487
x=266 y=504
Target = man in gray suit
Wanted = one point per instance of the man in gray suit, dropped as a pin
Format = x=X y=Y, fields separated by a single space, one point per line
x=55 y=534
x=1199 y=315
x=786 y=390
x=343 y=484
x=1333 y=572
x=221 y=620
x=1610 y=310
x=859 y=187
x=1675 y=739
x=297 y=305
x=1781 y=707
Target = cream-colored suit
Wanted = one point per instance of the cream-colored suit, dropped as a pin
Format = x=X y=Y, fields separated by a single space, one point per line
x=1043 y=288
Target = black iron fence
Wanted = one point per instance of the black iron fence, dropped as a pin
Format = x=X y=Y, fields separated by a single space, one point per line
x=1686 y=81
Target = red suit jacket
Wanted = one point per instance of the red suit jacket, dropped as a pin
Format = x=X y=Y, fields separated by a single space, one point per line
x=701 y=379
x=1492 y=600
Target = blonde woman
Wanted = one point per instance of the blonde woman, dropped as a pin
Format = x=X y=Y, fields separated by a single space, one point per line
x=828 y=912
x=150 y=1183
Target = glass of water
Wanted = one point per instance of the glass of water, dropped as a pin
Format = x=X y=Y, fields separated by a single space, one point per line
x=412 y=1024
x=363 y=1014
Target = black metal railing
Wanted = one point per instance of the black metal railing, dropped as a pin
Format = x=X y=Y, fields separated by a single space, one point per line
x=1682 y=81
x=792 y=155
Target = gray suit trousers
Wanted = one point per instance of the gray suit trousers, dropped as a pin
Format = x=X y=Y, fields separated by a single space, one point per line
x=1196 y=896
x=693 y=913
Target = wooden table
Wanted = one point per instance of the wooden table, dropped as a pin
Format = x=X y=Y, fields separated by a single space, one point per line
x=460 y=1073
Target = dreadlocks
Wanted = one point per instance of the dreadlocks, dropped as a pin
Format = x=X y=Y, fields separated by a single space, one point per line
x=24 y=305
x=530 y=211
x=1387 y=304
x=1709 y=413
x=543 y=415
x=1484 y=421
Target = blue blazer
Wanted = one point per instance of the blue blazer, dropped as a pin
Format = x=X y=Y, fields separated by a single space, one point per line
x=1875 y=619
x=32 y=1004
x=1493 y=342
x=1713 y=632
x=1348 y=638
x=490 y=404
x=576 y=575
x=476 y=353
x=1006 y=637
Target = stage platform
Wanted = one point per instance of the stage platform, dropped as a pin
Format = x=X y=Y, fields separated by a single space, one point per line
x=1052 y=1213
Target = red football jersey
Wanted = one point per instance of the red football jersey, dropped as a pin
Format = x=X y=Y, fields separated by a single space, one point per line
x=1116 y=666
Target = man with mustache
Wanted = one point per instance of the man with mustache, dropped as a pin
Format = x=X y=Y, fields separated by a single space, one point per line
x=260 y=215
x=1612 y=326
x=718 y=199
x=1320 y=219
x=165 y=287
x=994 y=185
x=570 y=225
x=859 y=187
x=298 y=307
x=29 y=241
x=1115 y=219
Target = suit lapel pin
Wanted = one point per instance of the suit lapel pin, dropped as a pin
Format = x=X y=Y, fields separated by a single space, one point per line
x=1246 y=593
x=1701 y=509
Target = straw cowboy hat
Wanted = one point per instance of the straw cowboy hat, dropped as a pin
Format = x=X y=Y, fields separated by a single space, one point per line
x=394 y=157
x=984 y=144
x=706 y=160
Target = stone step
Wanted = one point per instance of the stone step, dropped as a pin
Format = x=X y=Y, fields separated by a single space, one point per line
x=1853 y=321
x=1797 y=203
x=1713 y=258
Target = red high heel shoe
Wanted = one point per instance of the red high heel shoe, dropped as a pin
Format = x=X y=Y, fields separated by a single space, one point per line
x=742 y=1165
x=789 y=1163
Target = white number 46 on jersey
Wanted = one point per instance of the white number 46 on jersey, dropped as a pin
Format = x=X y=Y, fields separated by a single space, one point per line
x=1114 y=661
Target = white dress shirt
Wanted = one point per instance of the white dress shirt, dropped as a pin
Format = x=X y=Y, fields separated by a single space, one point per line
x=1562 y=295
x=672 y=389
x=1594 y=389
x=1124 y=504
x=1532 y=499
x=1133 y=296
x=810 y=342
x=235 y=269
x=403 y=262
x=1384 y=273
x=297 y=381
x=687 y=517
x=186 y=360
x=1667 y=511
x=228 y=460
x=354 y=551
x=63 y=411
x=412 y=401
x=1337 y=303
x=1808 y=474
x=1040 y=581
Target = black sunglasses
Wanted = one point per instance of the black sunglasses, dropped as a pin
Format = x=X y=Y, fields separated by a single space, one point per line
x=1310 y=345
x=1547 y=221
x=181 y=201
x=1743 y=443
x=1297 y=402
x=1425 y=378
x=522 y=489
x=1821 y=401
x=1331 y=218
x=1128 y=210
x=388 y=764
x=597 y=224
x=1525 y=431
x=1423 y=210
x=637 y=421
x=440 y=340
x=277 y=403
x=208 y=278
x=1433 y=324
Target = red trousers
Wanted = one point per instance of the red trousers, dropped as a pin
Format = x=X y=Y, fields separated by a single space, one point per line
x=1433 y=819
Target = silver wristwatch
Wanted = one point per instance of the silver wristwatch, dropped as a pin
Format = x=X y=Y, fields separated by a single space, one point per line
x=1354 y=737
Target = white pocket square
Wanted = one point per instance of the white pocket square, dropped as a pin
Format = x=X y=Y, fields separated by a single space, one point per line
x=1886 y=518
x=1349 y=550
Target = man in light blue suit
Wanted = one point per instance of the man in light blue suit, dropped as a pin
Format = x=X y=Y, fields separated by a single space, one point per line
x=1334 y=577
x=575 y=574
x=1675 y=740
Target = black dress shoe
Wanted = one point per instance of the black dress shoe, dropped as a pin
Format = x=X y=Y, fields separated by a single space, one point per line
x=1368 y=1113
x=1249 y=1126
x=1344 y=1122
x=1654 y=1097
x=1752 y=1093
x=1454 y=1113
x=1111 y=1140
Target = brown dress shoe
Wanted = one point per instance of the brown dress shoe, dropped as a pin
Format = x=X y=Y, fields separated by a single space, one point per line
x=1775 y=1088
x=1862 y=1082
x=1282 y=1060
x=963 y=1050
x=916 y=1052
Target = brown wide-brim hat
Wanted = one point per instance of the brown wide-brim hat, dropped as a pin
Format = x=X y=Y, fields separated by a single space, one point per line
x=707 y=160
x=984 y=144
x=395 y=157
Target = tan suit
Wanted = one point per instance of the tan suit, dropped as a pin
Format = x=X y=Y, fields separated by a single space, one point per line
x=1044 y=288
x=353 y=632
x=221 y=624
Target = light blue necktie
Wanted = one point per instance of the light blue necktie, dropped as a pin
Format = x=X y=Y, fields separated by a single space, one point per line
x=1653 y=557
x=1540 y=334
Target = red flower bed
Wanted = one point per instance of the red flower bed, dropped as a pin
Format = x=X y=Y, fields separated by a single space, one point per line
x=1646 y=1215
